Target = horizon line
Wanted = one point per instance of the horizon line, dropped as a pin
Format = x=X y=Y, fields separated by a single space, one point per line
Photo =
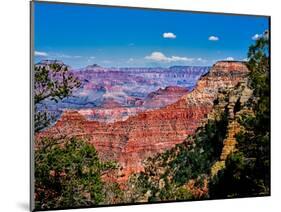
x=120 y=67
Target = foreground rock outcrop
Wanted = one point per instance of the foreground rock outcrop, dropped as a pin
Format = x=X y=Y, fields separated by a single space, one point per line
x=187 y=169
x=141 y=136
x=235 y=102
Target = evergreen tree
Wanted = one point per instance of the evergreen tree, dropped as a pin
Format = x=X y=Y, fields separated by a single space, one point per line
x=247 y=171
x=51 y=82
x=68 y=174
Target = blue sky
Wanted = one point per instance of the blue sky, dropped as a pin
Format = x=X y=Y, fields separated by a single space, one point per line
x=120 y=37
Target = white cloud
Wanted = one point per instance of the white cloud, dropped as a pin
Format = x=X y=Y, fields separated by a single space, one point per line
x=157 y=56
x=224 y=59
x=265 y=35
x=57 y=55
x=229 y=58
x=256 y=36
x=160 y=57
x=177 y=58
x=40 y=54
x=92 y=57
x=66 y=56
x=169 y=35
x=213 y=38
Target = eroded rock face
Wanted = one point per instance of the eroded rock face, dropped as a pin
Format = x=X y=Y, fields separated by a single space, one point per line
x=111 y=111
x=163 y=97
x=131 y=141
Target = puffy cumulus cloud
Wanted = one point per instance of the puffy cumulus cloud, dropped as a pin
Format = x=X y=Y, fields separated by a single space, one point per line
x=213 y=38
x=160 y=57
x=265 y=35
x=157 y=56
x=257 y=36
x=40 y=54
x=169 y=35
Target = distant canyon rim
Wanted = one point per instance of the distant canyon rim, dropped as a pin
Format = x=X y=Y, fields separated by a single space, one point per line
x=115 y=94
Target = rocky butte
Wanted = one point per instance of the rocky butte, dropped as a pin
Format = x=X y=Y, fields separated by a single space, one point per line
x=141 y=136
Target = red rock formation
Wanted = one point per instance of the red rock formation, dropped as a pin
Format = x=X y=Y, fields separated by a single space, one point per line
x=164 y=97
x=150 y=132
x=111 y=111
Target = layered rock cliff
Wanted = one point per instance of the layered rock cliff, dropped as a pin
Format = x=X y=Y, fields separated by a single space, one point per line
x=235 y=102
x=111 y=111
x=184 y=171
x=163 y=97
x=141 y=136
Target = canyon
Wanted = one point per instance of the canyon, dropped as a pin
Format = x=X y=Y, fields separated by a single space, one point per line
x=114 y=94
x=153 y=125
